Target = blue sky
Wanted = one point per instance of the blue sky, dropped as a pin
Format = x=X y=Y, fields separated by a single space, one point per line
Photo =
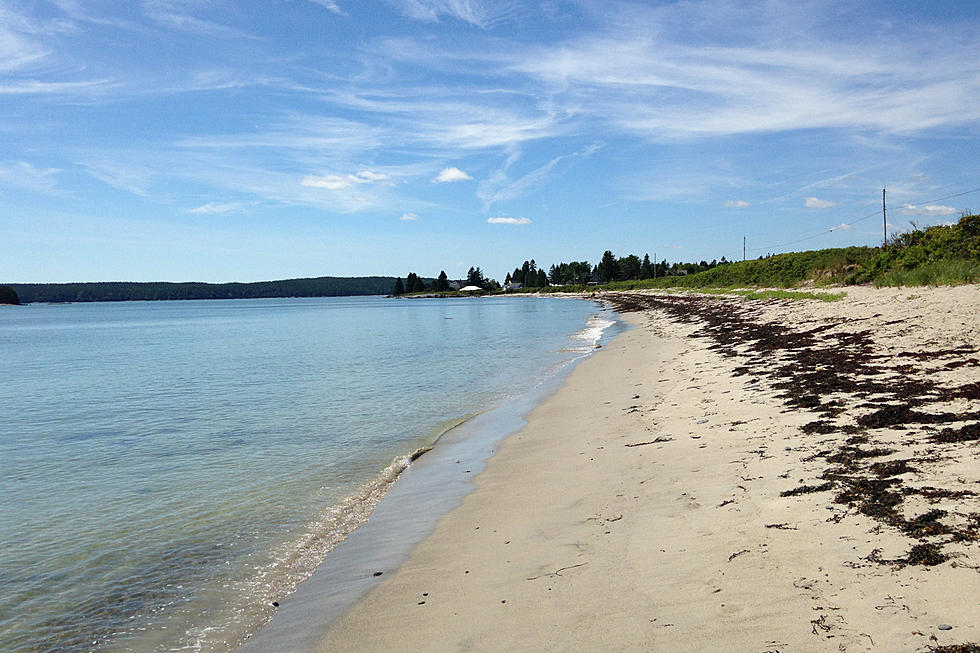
x=233 y=140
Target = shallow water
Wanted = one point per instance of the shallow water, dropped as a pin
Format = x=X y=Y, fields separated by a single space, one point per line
x=167 y=469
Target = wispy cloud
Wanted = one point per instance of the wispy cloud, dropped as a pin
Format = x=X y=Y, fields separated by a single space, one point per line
x=930 y=210
x=509 y=220
x=20 y=174
x=218 y=207
x=330 y=5
x=475 y=12
x=817 y=203
x=840 y=227
x=736 y=204
x=500 y=187
x=408 y=216
x=174 y=14
x=652 y=73
x=451 y=174
x=339 y=182
x=16 y=51
x=36 y=87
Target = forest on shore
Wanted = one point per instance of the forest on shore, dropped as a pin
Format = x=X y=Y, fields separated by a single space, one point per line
x=114 y=291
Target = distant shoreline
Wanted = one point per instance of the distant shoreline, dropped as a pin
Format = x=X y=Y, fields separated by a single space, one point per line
x=118 y=291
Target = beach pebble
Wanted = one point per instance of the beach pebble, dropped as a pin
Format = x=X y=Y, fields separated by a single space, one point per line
x=945 y=627
x=275 y=604
x=378 y=573
x=702 y=421
x=789 y=448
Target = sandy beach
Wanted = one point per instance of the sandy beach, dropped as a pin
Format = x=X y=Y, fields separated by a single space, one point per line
x=730 y=475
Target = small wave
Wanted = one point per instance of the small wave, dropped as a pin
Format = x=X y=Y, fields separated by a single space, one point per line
x=588 y=338
x=294 y=561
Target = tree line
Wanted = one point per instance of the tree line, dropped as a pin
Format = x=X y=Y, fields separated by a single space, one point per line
x=530 y=275
x=8 y=295
x=415 y=284
x=111 y=291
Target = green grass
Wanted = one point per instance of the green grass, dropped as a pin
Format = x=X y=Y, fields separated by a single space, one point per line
x=943 y=255
x=949 y=272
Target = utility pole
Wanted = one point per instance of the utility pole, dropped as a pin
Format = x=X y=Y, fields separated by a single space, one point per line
x=884 y=219
x=743 y=249
x=654 y=265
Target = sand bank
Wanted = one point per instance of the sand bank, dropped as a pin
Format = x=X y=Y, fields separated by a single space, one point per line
x=729 y=476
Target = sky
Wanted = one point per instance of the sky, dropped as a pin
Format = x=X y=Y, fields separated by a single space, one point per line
x=245 y=140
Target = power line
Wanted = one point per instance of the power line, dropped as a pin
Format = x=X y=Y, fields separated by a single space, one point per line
x=844 y=225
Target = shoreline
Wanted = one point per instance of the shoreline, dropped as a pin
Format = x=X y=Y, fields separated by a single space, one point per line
x=432 y=482
x=665 y=497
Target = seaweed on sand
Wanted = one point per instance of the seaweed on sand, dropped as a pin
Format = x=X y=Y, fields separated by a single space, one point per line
x=826 y=370
x=892 y=468
x=968 y=433
x=807 y=489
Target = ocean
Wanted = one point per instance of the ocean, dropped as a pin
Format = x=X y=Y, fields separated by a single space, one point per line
x=171 y=471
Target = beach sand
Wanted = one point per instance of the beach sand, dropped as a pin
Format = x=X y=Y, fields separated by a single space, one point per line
x=727 y=476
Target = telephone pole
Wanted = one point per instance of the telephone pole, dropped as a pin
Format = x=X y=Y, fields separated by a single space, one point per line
x=884 y=220
x=743 y=249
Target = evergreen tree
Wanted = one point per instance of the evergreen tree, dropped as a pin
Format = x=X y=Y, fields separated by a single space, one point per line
x=507 y=279
x=542 y=279
x=399 y=287
x=531 y=280
x=646 y=269
x=629 y=267
x=525 y=269
x=608 y=267
x=442 y=283
x=475 y=278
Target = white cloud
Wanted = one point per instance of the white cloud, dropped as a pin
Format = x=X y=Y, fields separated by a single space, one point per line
x=474 y=12
x=35 y=87
x=928 y=209
x=339 y=182
x=451 y=174
x=500 y=187
x=697 y=69
x=330 y=5
x=366 y=176
x=17 y=51
x=509 y=220
x=815 y=203
x=736 y=204
x=409 y=216
x=169 y=13
x=840 y=227
x=218 y=207
x=21 y=174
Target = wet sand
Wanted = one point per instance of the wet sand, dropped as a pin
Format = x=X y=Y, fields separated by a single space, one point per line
x=730 y=476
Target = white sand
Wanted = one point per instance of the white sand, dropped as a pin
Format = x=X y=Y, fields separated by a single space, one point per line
x=575 y=540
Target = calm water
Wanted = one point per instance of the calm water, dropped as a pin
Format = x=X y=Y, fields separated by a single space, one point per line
x=168 y=469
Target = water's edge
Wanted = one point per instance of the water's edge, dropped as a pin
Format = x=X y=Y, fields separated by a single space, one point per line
x=425 y=491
